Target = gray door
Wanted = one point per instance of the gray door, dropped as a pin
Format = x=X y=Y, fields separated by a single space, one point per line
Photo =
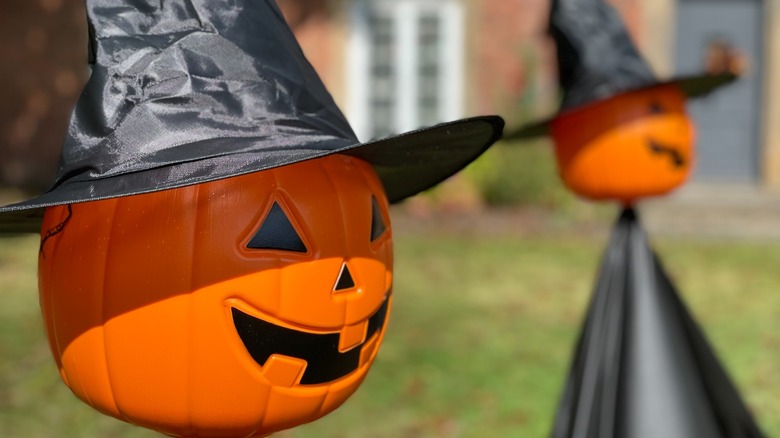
x=727 y=121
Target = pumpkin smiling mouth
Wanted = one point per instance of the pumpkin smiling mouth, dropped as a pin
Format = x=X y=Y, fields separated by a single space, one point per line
x=660 y=149
x=324 y=362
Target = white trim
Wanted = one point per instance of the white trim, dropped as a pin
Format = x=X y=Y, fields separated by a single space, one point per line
x=358 y=65
x=452 y=62
x=405 y=15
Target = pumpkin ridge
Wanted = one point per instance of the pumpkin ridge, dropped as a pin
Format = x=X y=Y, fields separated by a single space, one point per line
x=275 y=195
x=191 y=289
x=50 y=315
x=342 y=217
x=103 y=318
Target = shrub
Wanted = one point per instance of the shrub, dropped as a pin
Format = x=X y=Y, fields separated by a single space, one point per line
x=519 y=174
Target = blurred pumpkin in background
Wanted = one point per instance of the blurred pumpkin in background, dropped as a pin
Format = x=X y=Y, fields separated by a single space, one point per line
x=629 y=146
x=621 y=132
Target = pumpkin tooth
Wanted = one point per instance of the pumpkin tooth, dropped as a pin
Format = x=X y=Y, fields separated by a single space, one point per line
x=284 y=371
x=352 y=336
x=368 y=350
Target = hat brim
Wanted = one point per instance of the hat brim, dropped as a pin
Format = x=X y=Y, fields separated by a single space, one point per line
x=406 y=164
x=692 y=86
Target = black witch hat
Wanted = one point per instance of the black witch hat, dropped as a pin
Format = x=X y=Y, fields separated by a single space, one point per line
x=188 y=91
x=597 y=60
x=643 y=368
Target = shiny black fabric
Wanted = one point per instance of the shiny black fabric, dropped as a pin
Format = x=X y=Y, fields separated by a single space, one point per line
x=188 y=91
x=597 y=59
x=643 y=368
x=596 y=56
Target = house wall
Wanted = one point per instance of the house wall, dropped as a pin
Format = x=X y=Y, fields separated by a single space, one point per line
x=657 y=39
x=511 y=63
x=509 y=68
x=655 y=33
x=321 y=27
x=500 y=30
x=43 y=68
x=632 y=12
x=771 y=105
x=512 y=70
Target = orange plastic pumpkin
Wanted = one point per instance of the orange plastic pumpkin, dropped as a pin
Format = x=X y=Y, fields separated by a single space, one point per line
x=233 y=308
x=627 y=147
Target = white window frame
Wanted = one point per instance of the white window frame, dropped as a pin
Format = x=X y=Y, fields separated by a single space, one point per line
x=405 y=16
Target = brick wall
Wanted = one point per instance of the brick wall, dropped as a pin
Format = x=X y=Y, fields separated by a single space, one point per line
x=43 y=51
x=510 y=57
x=632 y=13
x=512 y=68
x=318 y=26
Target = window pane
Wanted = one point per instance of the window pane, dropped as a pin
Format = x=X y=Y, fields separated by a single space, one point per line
x=383 y=74
x=428 y=68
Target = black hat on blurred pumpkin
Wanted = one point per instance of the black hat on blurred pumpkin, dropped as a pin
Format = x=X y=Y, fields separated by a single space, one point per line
x=188 y=91
x=598 y=60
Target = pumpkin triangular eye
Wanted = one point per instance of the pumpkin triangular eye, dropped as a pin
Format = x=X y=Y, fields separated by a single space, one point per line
x=277 y=232
x=377 y=224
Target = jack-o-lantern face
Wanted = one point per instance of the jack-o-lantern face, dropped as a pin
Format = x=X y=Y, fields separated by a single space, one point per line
x=630 y=146
x=237 y=307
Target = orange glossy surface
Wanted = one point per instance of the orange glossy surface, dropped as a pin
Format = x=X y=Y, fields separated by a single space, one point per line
x=137 y=294
x=628 y=147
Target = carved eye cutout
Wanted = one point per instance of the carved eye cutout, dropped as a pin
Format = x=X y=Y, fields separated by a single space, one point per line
x=377 y=223
x=277 y=232
x=656 y=108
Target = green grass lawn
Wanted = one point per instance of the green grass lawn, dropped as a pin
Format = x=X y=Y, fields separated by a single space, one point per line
x=478 y=344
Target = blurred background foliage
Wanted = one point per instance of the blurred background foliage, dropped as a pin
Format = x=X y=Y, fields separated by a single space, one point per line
x=518 y=174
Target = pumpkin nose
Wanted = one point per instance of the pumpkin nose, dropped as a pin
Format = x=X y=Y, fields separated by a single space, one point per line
x=345 y=280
